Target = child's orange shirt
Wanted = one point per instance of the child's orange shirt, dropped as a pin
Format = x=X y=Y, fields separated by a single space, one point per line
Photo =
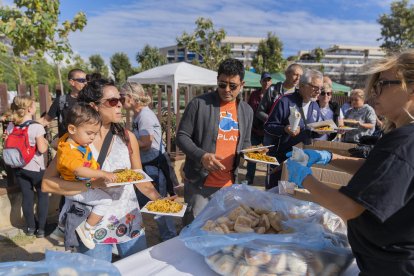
x=71 y=156
x=226 y=145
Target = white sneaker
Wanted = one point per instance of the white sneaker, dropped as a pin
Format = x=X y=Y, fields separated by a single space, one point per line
x=59 y=235
x=86 y=235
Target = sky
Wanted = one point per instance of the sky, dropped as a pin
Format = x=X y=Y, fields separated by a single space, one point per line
x=128 y=25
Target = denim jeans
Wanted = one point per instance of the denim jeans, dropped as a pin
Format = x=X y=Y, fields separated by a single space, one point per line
x=125 y=249
x=272 y=179
x=166 y=224
x=251 y=166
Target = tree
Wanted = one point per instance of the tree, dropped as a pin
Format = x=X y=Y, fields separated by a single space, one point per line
x=318 y=54
x=150 y=57
x=98 y=65
x=32 y=29
x=120 y=61
x=206 y=42
x=397 y=32
x=269 y=55
x=292 y=58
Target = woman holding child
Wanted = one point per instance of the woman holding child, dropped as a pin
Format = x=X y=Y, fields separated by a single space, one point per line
x=122 y=225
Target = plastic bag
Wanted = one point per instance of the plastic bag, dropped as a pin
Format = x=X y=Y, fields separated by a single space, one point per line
x=286 y=187
x=60 y=264
x=316 y=231
x=299 y=156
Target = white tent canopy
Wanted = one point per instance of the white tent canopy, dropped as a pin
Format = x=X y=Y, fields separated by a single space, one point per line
x=175 y=74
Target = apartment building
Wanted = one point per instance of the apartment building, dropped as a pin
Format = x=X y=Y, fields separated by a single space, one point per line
x=342 y=63
x=242 y=48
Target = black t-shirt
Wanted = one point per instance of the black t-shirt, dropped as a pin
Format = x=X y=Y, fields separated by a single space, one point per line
x=55 y=112
x=382 y=237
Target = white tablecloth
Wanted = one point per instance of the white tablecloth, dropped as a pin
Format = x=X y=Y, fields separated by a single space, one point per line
x=173 y=258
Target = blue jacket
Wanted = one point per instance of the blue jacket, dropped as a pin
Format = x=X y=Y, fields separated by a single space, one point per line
x=279 y=119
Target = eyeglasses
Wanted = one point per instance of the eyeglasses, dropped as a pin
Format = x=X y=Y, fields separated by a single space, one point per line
x=80 y=80
x=315 y=88
x=377 y=87
x=114 y=101
x=223 y=85
x=326 y=93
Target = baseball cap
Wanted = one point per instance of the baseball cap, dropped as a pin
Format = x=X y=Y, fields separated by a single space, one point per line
x=265 y=75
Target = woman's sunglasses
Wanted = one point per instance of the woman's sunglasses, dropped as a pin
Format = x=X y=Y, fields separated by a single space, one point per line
x=114 y=101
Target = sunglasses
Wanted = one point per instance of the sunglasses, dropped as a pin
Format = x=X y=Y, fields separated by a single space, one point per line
x=326 y=93
x=114 y=101
x=223 y=85
x=80 y=80
x=377 y=87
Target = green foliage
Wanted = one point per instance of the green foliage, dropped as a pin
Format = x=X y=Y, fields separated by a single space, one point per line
x=397 y=32
x=32 y=28
x=206 y=42
x=318 y=53
x=150 y=57
x=97 y=65
x=292 y=58
x=269 y=55
x=120 y=61
x=33 y=25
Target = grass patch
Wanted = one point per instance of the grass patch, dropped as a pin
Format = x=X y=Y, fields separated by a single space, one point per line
x=21 y=239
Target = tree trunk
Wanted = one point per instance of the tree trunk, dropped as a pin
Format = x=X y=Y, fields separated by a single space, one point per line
x=60 y=78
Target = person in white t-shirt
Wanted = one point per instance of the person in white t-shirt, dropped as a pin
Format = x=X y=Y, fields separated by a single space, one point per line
x=30 y=176
x=329 y=110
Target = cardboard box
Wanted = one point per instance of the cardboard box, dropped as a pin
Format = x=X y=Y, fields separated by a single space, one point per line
x=332 y=178
x=335 y=147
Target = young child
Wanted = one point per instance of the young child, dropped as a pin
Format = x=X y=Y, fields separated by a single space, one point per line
x=75 y=162
x=30 y=176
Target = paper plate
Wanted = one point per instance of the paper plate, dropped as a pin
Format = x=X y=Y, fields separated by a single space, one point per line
x=256 y=148
x=178 y=214
x=260 y=161
x=323 y=131
x=146 y=179
x=346 y=128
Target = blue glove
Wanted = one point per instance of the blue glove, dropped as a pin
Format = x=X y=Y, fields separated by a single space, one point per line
x=297 y=172
x=322 y=157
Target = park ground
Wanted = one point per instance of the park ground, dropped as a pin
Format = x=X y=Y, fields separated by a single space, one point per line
x=16 y=246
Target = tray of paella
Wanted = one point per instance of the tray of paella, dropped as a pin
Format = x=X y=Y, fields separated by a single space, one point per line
x=128 y=176
x=165 y=207
x=258 y=157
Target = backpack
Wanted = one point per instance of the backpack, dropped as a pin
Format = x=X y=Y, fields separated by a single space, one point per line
x=17 y=151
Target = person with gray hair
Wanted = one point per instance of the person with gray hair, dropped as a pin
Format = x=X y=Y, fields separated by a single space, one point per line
x=278 y=127
x=155 y=160
x=361 y=116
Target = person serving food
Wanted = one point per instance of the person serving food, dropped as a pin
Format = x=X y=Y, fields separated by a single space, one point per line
x=378 y=201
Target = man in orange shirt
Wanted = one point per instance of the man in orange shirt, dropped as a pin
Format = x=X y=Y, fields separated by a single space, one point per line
x=214 y=128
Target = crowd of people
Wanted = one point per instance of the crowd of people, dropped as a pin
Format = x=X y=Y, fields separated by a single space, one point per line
x=93 y=142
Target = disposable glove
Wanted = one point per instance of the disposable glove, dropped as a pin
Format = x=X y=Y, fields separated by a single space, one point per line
x=322 y=157
x=297 y=172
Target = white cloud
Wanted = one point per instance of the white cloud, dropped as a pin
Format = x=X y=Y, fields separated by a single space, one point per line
x=128 y=28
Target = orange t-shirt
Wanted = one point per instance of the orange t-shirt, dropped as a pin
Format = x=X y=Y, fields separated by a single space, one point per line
x=226 y=145
x=71 y=156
